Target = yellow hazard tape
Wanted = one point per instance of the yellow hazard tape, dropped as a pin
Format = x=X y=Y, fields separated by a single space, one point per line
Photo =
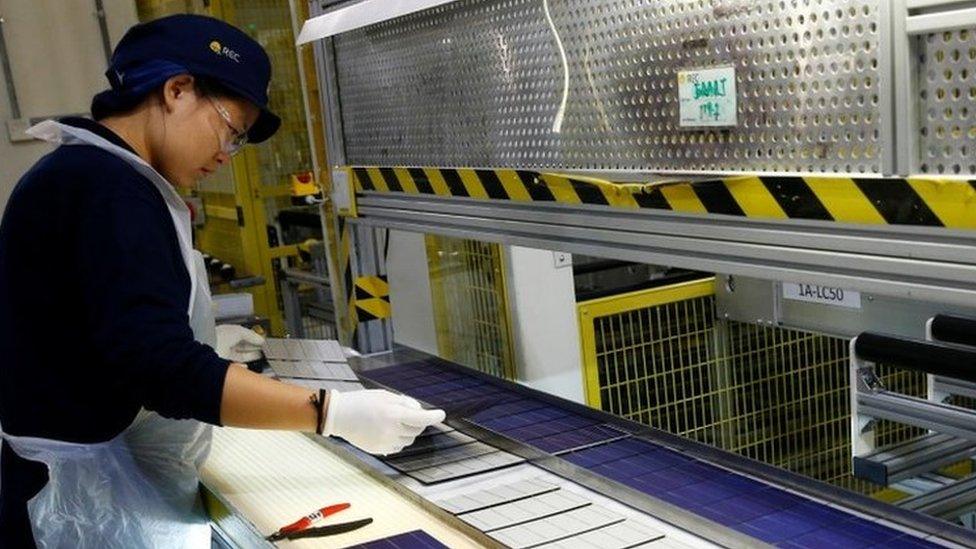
x=897 y=201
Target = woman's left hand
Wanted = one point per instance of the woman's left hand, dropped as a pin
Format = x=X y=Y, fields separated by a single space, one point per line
x=238 y=344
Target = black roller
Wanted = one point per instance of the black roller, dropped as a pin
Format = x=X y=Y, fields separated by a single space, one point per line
x=937 y=358
x=954 y=329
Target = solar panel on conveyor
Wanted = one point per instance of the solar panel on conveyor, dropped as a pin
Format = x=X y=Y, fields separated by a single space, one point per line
x=763 y=511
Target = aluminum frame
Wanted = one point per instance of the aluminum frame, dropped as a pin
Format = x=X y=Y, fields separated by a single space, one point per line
x=951 y=501
x=922 y=264
x=328 y=94
x=940 y=388
x=909 y=459
x=870 y=401
x=911 y=18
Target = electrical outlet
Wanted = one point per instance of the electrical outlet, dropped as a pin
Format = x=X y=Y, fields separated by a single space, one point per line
x=562 y=259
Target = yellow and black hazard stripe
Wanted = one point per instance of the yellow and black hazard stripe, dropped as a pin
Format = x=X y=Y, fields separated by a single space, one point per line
x=372 y=298
x=367 y=297
x=349 y=319
x=922 y=201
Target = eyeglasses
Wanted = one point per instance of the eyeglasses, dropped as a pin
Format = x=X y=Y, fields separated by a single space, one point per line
x=239 y=138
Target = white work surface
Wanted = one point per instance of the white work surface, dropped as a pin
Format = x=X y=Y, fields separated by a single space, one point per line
x=274 y=478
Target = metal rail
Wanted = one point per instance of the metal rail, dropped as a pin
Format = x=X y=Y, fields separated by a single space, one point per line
x=935 y=265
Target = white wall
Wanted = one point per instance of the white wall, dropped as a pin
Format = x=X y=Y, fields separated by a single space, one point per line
x=542 y=303
x=58 y=64
x=413 y=312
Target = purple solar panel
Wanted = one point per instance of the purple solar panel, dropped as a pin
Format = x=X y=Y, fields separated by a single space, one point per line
x=734 y=510
x=479 y=392
x=825 y=538
x=424 y=391
x=757 y=509
x=907 y=542
x=606 y=453
x=577 y=438
x=515 y=406
x=505 y=423
x=555 y=426
x=777 y=527
x=418 y=539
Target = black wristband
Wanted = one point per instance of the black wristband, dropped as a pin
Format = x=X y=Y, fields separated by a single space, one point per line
x=320 y=412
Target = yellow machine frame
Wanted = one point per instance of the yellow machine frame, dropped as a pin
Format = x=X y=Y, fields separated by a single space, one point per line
x=589 y=311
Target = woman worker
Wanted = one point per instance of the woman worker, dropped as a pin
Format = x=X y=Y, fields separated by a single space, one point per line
x=108 y=373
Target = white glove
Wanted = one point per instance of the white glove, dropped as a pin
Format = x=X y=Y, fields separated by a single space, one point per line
x=238 y=344
x=377 y=421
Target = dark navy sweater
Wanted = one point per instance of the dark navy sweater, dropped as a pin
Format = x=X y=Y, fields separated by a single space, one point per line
x=93 y=313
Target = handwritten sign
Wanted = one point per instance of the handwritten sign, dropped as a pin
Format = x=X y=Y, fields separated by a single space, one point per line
x=706 y=97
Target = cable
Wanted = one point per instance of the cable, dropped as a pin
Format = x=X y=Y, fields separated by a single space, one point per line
x=557 y=122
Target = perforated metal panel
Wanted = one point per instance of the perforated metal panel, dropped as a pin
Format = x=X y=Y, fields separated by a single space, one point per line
x=947 y=95
x=480 y=83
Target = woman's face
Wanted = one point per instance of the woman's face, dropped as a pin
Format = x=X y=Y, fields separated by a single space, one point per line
x=194 y=138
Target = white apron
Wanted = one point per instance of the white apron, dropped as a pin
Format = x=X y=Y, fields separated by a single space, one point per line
x=139 y=489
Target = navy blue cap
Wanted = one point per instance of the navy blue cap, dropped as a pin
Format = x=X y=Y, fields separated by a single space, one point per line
x=152 y=52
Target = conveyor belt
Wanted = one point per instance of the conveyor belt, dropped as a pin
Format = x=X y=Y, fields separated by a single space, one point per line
x=758 y=509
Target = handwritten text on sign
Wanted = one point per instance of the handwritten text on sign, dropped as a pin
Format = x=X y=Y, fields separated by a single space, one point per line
x=706 y=97
x=826 y=295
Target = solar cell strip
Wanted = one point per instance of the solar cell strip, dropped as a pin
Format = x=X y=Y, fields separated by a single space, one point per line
x=622 y=535
x=303 y=349
x=509 y=423
x=433 y=443
x=550 y=427
x=329 y=384
x=556 y=528
x=310 y=369
x=524 y=510
x=445 y=456
x=495 y=495
x=577 y=438
x=465 y=468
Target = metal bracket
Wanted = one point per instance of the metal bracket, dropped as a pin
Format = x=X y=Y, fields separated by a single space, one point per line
x=868 y=380
x=866 y=424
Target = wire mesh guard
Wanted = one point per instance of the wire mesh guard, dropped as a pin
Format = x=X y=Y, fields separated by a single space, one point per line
x=947 y=93
x=482 y=83
x=469 y=300
x=772 y=394
x=309 y=312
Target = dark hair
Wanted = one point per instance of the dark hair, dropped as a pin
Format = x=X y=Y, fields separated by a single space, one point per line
x=115 y=102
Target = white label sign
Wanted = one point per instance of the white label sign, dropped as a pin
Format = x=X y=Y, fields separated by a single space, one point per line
x=341 y=191
x=825 y=295
x=706 y=97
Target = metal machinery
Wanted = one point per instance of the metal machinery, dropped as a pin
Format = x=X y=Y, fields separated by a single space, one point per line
x=800 y=170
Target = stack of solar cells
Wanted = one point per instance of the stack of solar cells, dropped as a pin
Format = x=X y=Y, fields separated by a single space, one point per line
x=441 y=454
x=760 y=510
x=311 y=363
